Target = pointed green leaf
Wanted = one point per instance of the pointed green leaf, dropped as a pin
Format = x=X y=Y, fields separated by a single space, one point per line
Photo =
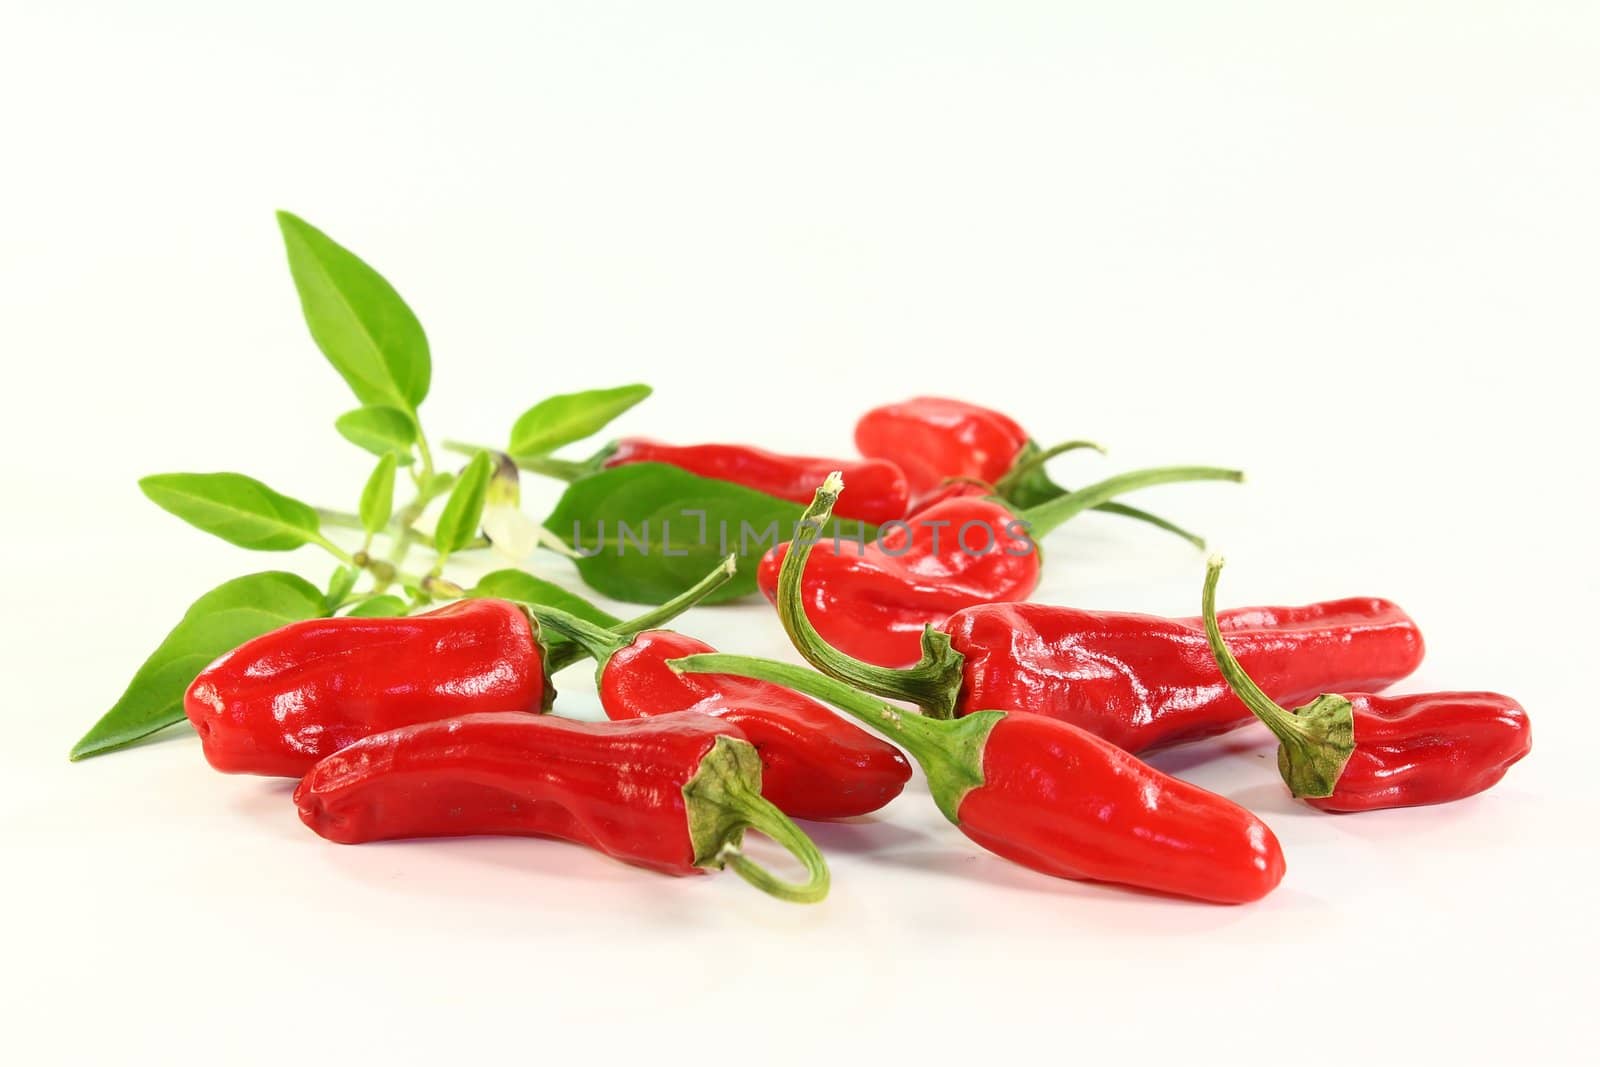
x=463 y=510
x=358 y=320
x=221 y=620
x=648 y=531
x=561 y=420
x=236 y=508
x=380 y=430
x=339 y=586
x=378 y=607
x=377 y=499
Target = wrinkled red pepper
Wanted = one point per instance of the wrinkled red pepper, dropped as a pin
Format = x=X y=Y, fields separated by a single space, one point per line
x=673 y=794
x=873 y=601
x=878 y=491
x=1057 y=799
x=1138 y=681
x=816 y=765
x=1360 y=752
x=278 y=704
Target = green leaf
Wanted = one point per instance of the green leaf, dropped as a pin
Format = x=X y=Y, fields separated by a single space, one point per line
x=339 y=586
x=379 y=429
x=512 y=584
x=222 y=620
x=659 y=505
x=236 y=508
x=358 y=320
x=561 y=420
x=378 y=607
x=458 y=523
x=377 y=499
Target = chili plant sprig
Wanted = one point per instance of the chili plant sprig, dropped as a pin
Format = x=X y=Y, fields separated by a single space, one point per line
x=375 y=342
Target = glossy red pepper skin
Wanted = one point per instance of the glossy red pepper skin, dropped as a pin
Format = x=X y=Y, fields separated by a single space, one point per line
x=878 y=490
x=815 y=765
x=1059 y=800
x=278 y=704
x=934 y=438
x=1142 y=681
x=1427 y=748
x=873 y=602
x=616 y=787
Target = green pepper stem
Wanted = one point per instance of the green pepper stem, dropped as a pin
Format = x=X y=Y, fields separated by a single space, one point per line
x=1035 y=460
x=759 y=814
x=1140 y=515
x=1315 y=741
x=1044 y=518
x=602 y=642
x=933 y=684
x=949 y=752
x=722 y=800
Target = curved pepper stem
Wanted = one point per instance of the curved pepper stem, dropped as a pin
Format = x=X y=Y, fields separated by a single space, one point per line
x=1314 y=741
x=601 y=642
x=950 y=753
x=933 y=684
x=723 y=799
x=1026 y=477
x=1044 y=518
x=1140 y=515
x=1027 y=485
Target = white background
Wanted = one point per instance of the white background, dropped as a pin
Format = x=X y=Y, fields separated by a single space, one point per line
x=1350 y=247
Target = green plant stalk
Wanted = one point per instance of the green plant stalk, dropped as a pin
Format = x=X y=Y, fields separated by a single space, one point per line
x=1315 y=741
x=586 y=640
x=564 y=470
x=1048 y=516
x=950 y=752
x=933 y=683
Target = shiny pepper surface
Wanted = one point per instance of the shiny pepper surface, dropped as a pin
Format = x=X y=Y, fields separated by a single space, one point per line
x=672 y=794
x=1427 y=748
x=1137 y=681
x=815 y=765
x=281 y=702
x=1355 y=751
x=1059 y=800
x=1142 y=681
x=873 y=601
x=878 y=491
x=934 y=438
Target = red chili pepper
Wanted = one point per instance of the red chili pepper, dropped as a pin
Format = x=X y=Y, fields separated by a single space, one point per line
x=1359 y=752
x=1138 y=681
x=939 y=442
x=817 y=766
x=673 y=794
x=1057 y=799
x=934 y=438
x=877 y=494
x=278 y=704
x=873 y=601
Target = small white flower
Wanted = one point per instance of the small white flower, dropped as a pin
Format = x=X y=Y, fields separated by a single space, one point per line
x=511 y=533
